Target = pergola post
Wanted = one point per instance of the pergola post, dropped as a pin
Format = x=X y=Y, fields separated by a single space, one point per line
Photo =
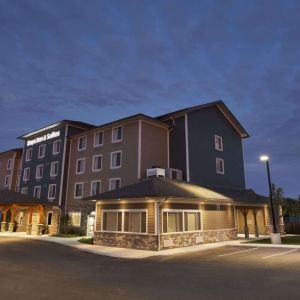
x=41 y=220
x=255 y=211
x=12 y=218
x=29 y=224
x=246 y=228
x=3 y=222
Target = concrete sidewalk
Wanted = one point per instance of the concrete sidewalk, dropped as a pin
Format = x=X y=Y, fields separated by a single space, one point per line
x=139 y=254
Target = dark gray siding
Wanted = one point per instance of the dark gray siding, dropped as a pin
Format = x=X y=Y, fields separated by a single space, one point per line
x=203 y=125
x=177 y=145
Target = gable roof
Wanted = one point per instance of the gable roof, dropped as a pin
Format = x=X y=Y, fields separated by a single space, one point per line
x=220 y=105
x=11 y=197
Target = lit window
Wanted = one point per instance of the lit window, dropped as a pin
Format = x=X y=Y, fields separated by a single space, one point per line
x=49 y=218
x=42 y=151
x=24 y=190
x=9 y=164
x=116 y=160
x=26 y=174
x=98 y=139
x=135 y=221
x=56 y=147
x=37 y=192
x=114 y=183
x=192 y=221
x=78 y=190
x=112 y=221
x=220 y=166
x=82 y=143
x=97 y=163
x=95 y=187
x=54 y=169
x=28 y=155
x=75 y=218
x=39 y=172
x=7 y=180
x=80 y=166
x=172 y=221
x=218 y=143
x=52 y=191
x=117 y=133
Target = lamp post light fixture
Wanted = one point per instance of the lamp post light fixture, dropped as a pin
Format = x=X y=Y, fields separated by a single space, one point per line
x=276 y=236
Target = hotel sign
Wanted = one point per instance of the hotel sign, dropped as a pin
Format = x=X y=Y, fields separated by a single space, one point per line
x=43 y=138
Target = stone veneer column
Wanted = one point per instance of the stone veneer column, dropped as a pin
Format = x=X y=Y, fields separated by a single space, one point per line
x=29 y=226
x=39 y=229
x=3 y=226
x=10 y=227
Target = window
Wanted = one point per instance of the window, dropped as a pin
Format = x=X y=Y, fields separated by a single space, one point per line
x=95 y=187
x=78 y=190
x=112 y=221
x=80 y=166
x=9 y=164
x=135 y=221
x=117 y=133
x=82 y=143
x=7 y=180
x=98 y=139
x=42 y=151
x=220 y=166
x=218 y=143
x=39 y=172
x=26 y=174
x=97 y=163
x=51 y=191
x=114 y=183
x=56 y=147
x=49 y=218
x=116 y=159
x=75 y=218
x=54 y=169
x=24 y=190
x=28 y=155
x=181 y=220
x=37 y=192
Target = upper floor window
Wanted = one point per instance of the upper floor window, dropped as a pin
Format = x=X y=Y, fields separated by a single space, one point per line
x=37 y=191
x=51 y=191
x=97 y=163
x=42 y=151
x=56 y=147
x=26 y=174
x=39 y=172
x=218 y=143
x=114 y=183
x=75 y=218
x=9 y=164
x=28 y=155
x=98 y=139
x=78 y=190
x=117 y=134
x=82 y=143
x=54 y=169
x=95 y=187
x=220 y=166
x=80 y=166
x=116 y=159
x=24 y=190
x=7 y=180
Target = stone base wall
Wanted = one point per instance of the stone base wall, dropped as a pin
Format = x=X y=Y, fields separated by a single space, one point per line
x=176 y=240
x=220 y=235
x=125 y=240
x=269 y=229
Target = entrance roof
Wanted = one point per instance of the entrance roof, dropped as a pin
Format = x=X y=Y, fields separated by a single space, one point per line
x=10 y=197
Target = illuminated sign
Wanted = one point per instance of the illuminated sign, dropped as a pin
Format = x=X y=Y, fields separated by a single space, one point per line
x=43 y=138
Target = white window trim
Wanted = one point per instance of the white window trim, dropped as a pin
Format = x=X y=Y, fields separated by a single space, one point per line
x=50 y=185
x=112 y=134
x=183 y=220
x=52 y=163
x=91 y=192
x=96 y=145
x=83 y=159
x=82 y=137
x=123 y=220
x=37 y=186
x=7 y=180
x=216 y=144
x=111 y=155
x=43 y=145
x=26 y=179
x=76 y=183
x=116 y=178
x=218 y=171
x=36 y=177
x=54 y=142
x=93 y=168
x=9 y=164
x=24 y=189
x=27 y=151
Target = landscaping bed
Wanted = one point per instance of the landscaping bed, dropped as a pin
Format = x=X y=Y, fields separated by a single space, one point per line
x=285 y=240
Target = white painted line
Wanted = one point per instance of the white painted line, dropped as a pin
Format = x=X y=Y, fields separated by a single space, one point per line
x=281 y=253
x=241 y=251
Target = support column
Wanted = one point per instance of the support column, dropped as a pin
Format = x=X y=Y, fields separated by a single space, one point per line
x=3 y=223
x=255 y=211
x=29 y=224
x=246 y=228
x=12 y=218
x=41 y=220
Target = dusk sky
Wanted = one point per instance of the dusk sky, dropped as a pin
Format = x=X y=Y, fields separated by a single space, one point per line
x=96 y=61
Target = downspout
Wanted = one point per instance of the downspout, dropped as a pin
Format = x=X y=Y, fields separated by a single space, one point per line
x=158 y=223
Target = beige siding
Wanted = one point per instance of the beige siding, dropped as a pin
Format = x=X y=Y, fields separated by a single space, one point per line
x=250 y=220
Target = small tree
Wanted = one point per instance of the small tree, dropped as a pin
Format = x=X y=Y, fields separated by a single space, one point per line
x=65 y=222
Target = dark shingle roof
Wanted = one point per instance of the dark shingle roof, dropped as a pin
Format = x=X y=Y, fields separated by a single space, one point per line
x=20 y=150
x=10 y=197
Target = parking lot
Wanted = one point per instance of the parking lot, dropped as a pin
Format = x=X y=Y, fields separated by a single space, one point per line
x=42 y=270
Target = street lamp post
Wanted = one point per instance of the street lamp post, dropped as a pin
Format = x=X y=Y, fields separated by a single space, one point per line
x=265 y=159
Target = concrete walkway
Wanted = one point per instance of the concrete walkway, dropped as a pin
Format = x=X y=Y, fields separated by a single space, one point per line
x=138 y=254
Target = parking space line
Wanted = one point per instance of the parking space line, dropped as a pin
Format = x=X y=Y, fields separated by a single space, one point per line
x=241 y=251
x=281 y=253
